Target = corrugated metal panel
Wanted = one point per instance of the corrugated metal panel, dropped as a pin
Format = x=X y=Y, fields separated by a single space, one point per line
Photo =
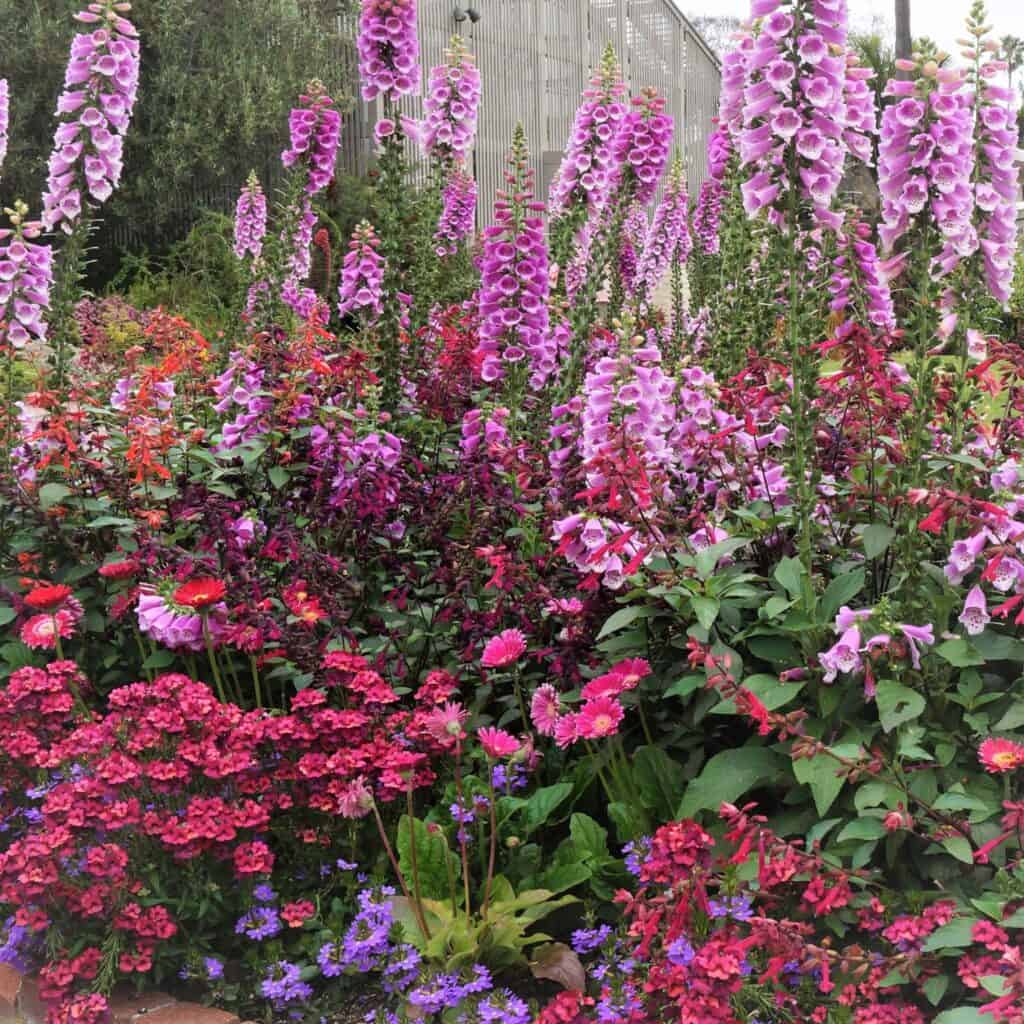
x=535 y=57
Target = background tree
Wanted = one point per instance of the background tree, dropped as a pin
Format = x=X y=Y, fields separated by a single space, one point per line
x=716 y=29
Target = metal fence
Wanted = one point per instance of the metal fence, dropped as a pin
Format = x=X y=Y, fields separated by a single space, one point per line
x=536 y=57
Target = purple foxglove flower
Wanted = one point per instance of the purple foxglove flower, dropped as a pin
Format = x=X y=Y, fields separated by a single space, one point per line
x=642 y=146
x=26 y=276
x=250 y=219
x=362 y=274
x=95 y=109
x=634 y=233
x=668 y=240
x=450 y=105
x=975 y=616
x=917 y=635
x=315 y=129
x=963 y=556
x=843 y=656
x=458 y=213
x=5 y=115
x=589 y=167
x=848 y=617
x=389 y=52
x=514 y=281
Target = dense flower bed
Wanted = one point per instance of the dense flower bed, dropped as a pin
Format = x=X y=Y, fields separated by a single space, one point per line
x=474 y=632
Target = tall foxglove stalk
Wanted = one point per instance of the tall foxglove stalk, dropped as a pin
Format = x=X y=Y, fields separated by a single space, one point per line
x=362 y=275
x=451 y=105
x=583 y=184
x=95 y=109
x=668 y=240
x=5 y=119
x=389 y=53
x=250 y=219
x=514 y=329
x=458 y=211
x=26 y=276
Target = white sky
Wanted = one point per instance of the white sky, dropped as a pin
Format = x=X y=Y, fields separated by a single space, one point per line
x=941 y=20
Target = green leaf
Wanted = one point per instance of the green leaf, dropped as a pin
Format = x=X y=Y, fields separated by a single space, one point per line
x=960 y=653
x=840 y=591
x=278 y=476
x=705 y=609
x=821 y=774
x=876 y=538
x=7 y=614
x=963 y=1015
x=789 y=572
x=1013 y=718
x=727 y=776
x=994 y=984
x=772 y=693
x=955 y=935
x=960 y=848
x=862 y=828
x=685 y=686
x=630 y=821
x=935 y=988
x=620 y=619
x=659 y=780
x=897 y=704
x=565 y=876
x=103 y=521
x=543 y=803
x=432 y=857
x=588 y=837
x=53 y=494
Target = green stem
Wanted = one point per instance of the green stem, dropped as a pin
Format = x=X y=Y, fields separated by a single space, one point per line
x=257 y=688
x=494 y=840
x=213 y=661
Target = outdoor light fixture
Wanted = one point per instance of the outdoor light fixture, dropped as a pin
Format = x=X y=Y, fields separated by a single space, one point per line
x=470 y=12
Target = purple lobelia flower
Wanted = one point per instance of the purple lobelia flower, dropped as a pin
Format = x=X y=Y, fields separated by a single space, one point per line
x=794 y=107
x=458 y=211
x=362 y=274
x=250 y=219
x=389 y=53
x=450 y=105
x=95 y=109
x=514 y=276
x=283 y=984
x=668 y=240
x=26 y=275
x=5 y=118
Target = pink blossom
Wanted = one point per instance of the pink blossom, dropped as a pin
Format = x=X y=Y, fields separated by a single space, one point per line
x=599 y=717
x=545 y=706
x=975 y=616
x=497 y=743
x=504 y=649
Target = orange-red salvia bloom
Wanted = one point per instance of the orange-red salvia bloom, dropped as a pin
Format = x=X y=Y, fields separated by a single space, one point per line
x=200 y=593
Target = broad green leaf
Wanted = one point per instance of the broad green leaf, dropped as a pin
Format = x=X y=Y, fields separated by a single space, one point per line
x=897 y=704
x=278 y=476
x=994 y=984
x=659 y=781
x=565 y=876
x=543 y=803
x=7 y=614
x=705 y=609
x=433 y=858
x=727 y=776
x=935 y=988
x=862 y=828
x=685 y=686
x=960 y=848
x=588 y=837
x=620 y=619
x=876 y=538
x=103 y=521
x=772 y=693
x=960 y=653
x=840 y=591
x=963 y=1015
x=630 y=821
x=789 y=572
x=53 y=494
x=821 y=773
x=955 y=935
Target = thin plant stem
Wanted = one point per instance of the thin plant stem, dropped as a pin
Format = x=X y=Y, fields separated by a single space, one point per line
x=416 y=908
x=494 y=840
x=462 y=840
x=413 y=856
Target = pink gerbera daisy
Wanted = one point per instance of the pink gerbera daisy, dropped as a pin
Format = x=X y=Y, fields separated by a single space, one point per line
x=544 y=709
x=503 y=649
x=447 y=721
x=599 y=717
x=631 y=671
x=1001 y=755
x=41 y=631
x=567 y=730
x=497 y=743
x=355 y=800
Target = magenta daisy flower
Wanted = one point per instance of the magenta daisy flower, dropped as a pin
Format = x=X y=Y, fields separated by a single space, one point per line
x=503 y=649
x=544 y=709
x=497 y=743
x=599 y=717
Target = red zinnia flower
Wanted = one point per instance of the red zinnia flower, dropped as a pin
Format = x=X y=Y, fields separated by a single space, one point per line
x=47 y=598
x=119 y=570
x=200 y=593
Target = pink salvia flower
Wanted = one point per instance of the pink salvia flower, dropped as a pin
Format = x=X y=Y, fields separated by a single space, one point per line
x=95 y=109
x=362 y=274
x=497 y=743
x=504 y=649
x=389 y=52
x=450 y=105
x=250 y=219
